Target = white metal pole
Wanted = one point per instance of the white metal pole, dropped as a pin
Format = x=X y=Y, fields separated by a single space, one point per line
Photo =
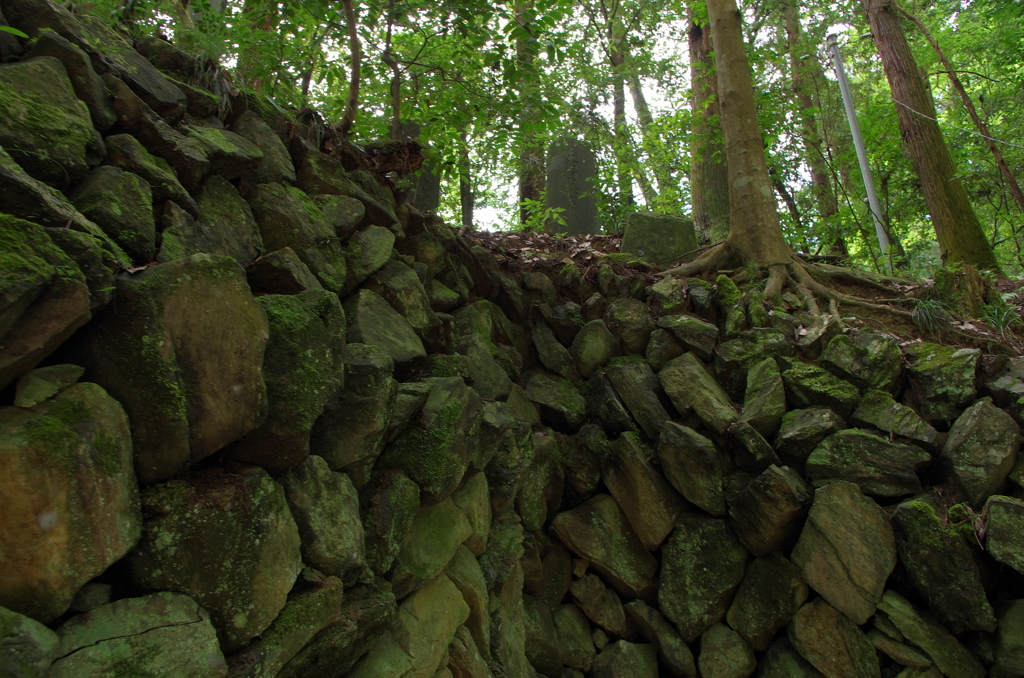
x=862 y=155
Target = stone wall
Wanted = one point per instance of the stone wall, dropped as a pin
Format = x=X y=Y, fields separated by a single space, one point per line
x=260 y=420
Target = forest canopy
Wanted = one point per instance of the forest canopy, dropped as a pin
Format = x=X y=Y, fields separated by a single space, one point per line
x=490 y=86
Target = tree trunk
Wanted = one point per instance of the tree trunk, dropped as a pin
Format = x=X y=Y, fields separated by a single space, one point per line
x=355 y=48
x=805 y=70
x=957 y=228
x=709 y=180
x=755 y=234
x=668 y=191
x=531 y=149
x=466 y=198
x=628 y=167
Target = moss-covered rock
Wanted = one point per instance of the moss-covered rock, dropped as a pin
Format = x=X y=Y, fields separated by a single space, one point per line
x=43 y=297
x=371 y=320
x=724 y=654
x=846 y=550
x=942 y=378
x=702 y=564
x=276 y=165
x=630 y=322
x=87 y=84
x=878 y=410
x=234 y=229
x=228 y=541
x=765 y=399
x=868 y=360
x=641 y=392
x=623 y=659
x=125 y=151
x=694 y=466
x=140 y=636
x=802 y=430
x=672 y=651
x=662 y=347
x=191 y=382
x=593 y=347
x=434 y=536
x=950 y=657
x=810 y=385
x=44 y=126
x=561 y=405
x=981 y=450
x=280 y=272
x=771 y=592
x=27 y=648
x=766 y=513
x=436 y=450
x=941 y=566
x=832 y=643
x=465 y=572
x=878 y=467
x=45 y=382
x=692 y=389
x=552 y=354
x=399 y=285
x=1004 y=520
x=121 y=204
x=751 y=451
x=734 y=358
x=540 y=489
x=69 y=496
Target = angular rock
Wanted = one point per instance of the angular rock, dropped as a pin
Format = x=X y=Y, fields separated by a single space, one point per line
x=724 y=654
x=371 y=320
x=687 y=383
x=599 y=532
x=27 y=648
x=846 y=550
x=436 y=450
x=233 y=230
x=941 y=566
x=488 y=377
x=810 y=385
x=903 y=655
x=140 y=636
x=870 y=361
x=69 y=498
x=765 y=400
x=399 y=285
x=770 y=594
x=561 y=405
x=702 y=564
x=695 y=334
x=831 y=642
x=45 y=127
x=43 y=298
x=509 y=650
x=600 y=604
x=623 y=659
x=661 y=348
x=768 y=510
x=303 y=368
x=542 y=644
x=878 y=410
x=1007 y=389
x=344 y=214
x=750 y=450
x=465 y=660
x=507 y=446
x=87 y=84
x=694 y=466
x=981 y=450
x=783 y=661
x=391 y=503
x=125 y=151
x=44 y=383
x=672 y=651
x=942 y=378
x=366 y=614
x=604 y=407
x=474 y=499
x=1004 y=520
x=593 y=347
x=436 y=533
x=315 y=603
x=552 y=354
x=639 y=389
x=878 y=467
x=281 y=272
x=802 y=430
x=467 y=575
x=1009 y=640
x=230 y=154
x=734 y=358
x=950 y=657
x=191 y=382
x=573 y=633
x=651 y=506
x=277 y=164
x=541 y=486
x=630 y=322
x=325 y=507
x=121 y=204
x=219 y=527
x=668 y=295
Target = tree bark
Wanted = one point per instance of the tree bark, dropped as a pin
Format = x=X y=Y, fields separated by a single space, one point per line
x=804 y=71
x=709 y=180
x=957 y=228
x=532 y=166
x=466 y=197
x=755 y=234
x=352 y=103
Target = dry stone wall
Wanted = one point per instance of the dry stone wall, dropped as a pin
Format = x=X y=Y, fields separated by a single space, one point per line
x=260 y=418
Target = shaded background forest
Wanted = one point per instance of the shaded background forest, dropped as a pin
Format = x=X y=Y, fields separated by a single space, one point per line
x=491 y=86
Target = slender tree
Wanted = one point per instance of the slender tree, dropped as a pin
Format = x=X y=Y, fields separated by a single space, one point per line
x=957 y=228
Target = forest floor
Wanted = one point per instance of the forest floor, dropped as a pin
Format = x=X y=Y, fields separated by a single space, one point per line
x=519 y=251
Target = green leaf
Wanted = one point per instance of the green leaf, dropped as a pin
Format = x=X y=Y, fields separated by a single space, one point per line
x=13 y=31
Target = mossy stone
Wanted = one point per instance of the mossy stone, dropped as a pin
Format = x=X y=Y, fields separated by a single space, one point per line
x=734 y=358
x=878 y=467
x=371 y=320
x=943 y=379
x=771 y=592
x=765 y=400
x=981 y=450
x=121 y=203
x=28 y=647
x=878 y=410
x=630 y=322
x=832 y=643
x=45 y=382
x=593 y=347
x=125 y=151
x=868 y=360
x=950 y=657
x=694 y=466
x=691 y=388
x=810 y=385
x=802 y=430
x=435 y=534
x=561 y=405
x=233 y=230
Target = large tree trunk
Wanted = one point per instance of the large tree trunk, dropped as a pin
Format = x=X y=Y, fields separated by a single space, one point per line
x=532 y=164
x=805 y=70
x=957 y=228
x=709 y=180
x=755 y=234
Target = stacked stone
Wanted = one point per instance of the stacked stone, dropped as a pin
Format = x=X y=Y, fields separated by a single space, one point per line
x=261 y=420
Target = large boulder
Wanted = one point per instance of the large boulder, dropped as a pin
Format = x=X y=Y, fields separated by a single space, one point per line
x=44 y=297
x=943 y=379
x=981 y=450
x=877 y=466
x=69 y=498
x=183 y=352
x=832 y=643
x=44 y=126
x=771 y=593
x=702 y=564
x=372 y=320
x=303 y=368
x=228 y=222
x=227 y=540
x=27 y=648
x=561 y=405
x=143 y=636
x=950 y=657
x=694 y=466
x=121 y=204
x=846 y=550
x=433 y=538
x=639 y=389
x=868 y=360
x=692 y=389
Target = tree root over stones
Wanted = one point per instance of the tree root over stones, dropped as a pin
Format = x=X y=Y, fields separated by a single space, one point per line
x=811 y=283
